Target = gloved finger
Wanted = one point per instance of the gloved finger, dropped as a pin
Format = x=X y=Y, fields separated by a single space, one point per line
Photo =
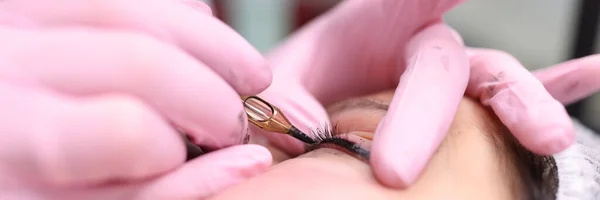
x=197 y=179
x=198 y=5
x=535 y=118
x=182 y=89
x=422 y=108
x=210 y=174
x=573 y=80
x=49 y=139
x=337 y=54
x=201 y=35
x=352 y=50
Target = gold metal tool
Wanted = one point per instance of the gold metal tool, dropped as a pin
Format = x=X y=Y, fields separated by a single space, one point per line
x=266 y=116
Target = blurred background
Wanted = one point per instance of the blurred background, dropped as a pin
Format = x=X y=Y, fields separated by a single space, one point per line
x=537 y=32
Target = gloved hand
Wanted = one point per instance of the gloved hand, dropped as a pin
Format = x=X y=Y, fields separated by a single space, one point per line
x=566 y=82
x=573 y=80
x=362 y=47
x=91 y=92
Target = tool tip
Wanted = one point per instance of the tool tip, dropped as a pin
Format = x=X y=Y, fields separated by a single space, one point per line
x=296 y=133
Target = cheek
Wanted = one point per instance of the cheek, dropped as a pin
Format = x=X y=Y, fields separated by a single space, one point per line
x=312 y=178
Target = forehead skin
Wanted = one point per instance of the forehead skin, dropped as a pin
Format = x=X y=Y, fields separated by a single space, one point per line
x=466 y=166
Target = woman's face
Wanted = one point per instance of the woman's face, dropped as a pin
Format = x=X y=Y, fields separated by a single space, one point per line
x=466 y=166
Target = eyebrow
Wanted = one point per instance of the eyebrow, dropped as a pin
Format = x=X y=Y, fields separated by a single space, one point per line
x=359 y=103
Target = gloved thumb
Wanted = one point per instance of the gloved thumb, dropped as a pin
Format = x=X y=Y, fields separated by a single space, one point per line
x=209 y=174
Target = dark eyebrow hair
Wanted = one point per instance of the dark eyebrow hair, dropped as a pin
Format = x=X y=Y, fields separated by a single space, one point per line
x=359 y=103
x=537 y=175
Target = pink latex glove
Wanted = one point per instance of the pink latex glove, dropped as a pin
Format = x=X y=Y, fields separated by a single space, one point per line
x=361 y=47
x=573 y=80
x=90 y=93
x=519 y=99
x=566 y=82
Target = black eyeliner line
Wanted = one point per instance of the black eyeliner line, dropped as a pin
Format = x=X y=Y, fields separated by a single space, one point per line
x=327 y=135
x=348 y=145
x=343 y=143
x=294 y=132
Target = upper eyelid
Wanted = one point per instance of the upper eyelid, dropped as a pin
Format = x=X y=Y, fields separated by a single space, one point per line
x=370 y=113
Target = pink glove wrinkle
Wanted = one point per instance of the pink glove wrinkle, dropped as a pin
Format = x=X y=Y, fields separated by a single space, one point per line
x=218 y=47
x=520 y=101
x=204 y=37
x=90 y=89
x=359 y=48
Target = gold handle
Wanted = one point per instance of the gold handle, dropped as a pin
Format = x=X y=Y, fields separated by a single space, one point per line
x=266 y=116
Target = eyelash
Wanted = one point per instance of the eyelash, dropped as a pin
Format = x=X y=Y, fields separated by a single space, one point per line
x=327 y=134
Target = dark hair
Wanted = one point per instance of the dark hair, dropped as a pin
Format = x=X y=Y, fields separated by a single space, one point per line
x=538 y=175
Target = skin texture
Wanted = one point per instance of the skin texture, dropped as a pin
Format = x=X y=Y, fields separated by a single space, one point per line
x=360 y=47
x=466 y=166
x=92 y=92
